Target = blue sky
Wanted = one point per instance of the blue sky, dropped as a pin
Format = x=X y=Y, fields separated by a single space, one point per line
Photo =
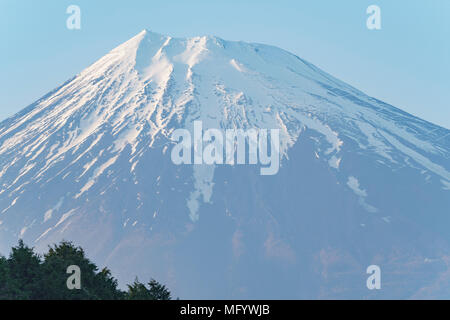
x=406 y=63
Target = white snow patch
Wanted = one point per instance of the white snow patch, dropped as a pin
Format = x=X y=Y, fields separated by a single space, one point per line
x=65 y=216
x=13 y=203
x=446 y=184
x=48 y=214
x=43 y=234
x=386 y=219
x=203 y=188
x=98 y=172
x=418 y=157
x=334 y=162
x=238 y=66
x=22 y=232
x=353 y=183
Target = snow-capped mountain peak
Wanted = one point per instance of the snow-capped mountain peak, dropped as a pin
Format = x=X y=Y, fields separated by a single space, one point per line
x=105 y=135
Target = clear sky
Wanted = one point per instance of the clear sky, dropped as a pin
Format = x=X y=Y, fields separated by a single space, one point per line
x=406 y=63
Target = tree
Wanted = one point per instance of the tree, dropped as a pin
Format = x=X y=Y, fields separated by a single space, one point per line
x=159 y=291
x=156 y=291
x=94 y=286
x=23 y=274
x=138 y=291
x=106 y=287
x=3 y=277
x=27 y=276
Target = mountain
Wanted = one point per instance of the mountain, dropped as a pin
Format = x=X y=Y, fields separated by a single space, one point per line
x=360 y=182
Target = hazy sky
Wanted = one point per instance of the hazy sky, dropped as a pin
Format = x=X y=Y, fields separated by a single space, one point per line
x=406 y=63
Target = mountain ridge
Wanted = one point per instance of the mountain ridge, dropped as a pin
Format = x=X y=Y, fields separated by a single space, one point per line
x=91 y=161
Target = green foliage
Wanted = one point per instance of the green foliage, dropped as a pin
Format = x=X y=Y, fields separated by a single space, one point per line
x=96 y=285
x=22 y=274
x=3 y=277
x=158 y=291
x=155 y=291
x=27 y=276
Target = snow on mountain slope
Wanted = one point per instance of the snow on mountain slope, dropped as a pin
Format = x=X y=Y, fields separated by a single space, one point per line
x=90 y=161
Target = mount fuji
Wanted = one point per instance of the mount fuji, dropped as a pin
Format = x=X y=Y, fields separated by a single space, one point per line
x=360 y=182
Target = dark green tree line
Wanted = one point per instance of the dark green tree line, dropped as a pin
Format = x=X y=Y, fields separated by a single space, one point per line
x=25 y=275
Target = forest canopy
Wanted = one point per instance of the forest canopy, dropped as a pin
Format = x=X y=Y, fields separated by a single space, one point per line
x=26 y=275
